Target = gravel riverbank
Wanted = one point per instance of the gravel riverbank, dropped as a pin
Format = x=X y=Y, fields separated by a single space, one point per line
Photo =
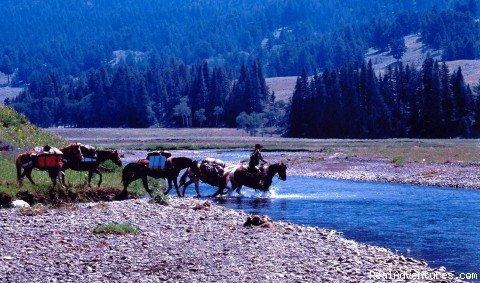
x=183 y=242
x=451 y=174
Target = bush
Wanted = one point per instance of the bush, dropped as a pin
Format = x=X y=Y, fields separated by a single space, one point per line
x=398 y=160
x=115 y=228
x=159 y=197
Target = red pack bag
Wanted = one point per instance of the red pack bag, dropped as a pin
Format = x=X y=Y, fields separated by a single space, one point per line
x=49 y=161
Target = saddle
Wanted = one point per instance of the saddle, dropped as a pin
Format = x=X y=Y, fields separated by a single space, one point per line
x=89 y=153
x=212 y=167
x=158 y=159
x=256 y=172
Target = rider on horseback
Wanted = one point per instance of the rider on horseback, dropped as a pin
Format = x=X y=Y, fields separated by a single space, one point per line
x=255 y=159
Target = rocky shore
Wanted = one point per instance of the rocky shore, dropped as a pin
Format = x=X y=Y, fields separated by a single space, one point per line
x=451 y=174
x=187 y=241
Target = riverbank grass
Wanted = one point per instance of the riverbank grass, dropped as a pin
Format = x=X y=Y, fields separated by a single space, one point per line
x=116 y=229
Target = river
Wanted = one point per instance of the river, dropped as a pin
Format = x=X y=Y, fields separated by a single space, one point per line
x=440 y=225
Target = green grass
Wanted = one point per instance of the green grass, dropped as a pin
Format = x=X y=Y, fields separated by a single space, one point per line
x=18 y=131
x=115 y=228
x=398 y=160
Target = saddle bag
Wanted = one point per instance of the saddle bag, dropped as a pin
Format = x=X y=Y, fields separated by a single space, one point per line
x=89 y=160
x=49 y=161
x=158 y=159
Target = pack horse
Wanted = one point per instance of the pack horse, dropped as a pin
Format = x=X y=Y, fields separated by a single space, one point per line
x=158 y=164
x=89 y=160
x=45 y=158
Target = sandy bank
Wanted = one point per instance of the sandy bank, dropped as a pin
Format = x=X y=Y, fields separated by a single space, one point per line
x=179 y=244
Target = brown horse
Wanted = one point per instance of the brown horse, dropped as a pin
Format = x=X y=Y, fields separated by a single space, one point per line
x=240 y=176
x=210 y=171
x=28 y=161
x=140 y=170
x=73 y=162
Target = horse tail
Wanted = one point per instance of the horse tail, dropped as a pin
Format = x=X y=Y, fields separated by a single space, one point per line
x=126 y=174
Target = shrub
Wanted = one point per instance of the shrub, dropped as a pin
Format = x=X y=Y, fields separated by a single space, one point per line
x=398 y=160
x=159 y=197
x=115 y=228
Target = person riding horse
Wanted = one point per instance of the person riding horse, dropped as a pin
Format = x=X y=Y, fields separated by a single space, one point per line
x=255 y=159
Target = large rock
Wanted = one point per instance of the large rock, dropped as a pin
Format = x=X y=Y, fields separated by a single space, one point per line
x=19 y=204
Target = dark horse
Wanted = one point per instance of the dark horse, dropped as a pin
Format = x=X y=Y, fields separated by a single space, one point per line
x=210 y=171
x=140 y=170
x=240 y=176
x=28 y=161
x=73 y=162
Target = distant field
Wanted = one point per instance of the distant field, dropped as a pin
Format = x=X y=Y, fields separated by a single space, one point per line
x=283 y=86
x=413 y=150
x=9 y=92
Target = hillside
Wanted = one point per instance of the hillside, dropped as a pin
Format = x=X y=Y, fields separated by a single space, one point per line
x=415 y=54
x=71 y=36
x=18 y=132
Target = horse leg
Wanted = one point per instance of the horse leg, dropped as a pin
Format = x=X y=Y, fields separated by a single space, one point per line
x=145 y=185
x=28 y=172
x=62 y=178
x=100 y=175
x=218 y=192
x=230 y=191
x=169 y=181
x=238 y=190
x=175 y=183
x=90 y=174
x=232 y=188
x=197 y=188
x=222 y=184
x=186 y=184
x=53 y=190
x=19 y=174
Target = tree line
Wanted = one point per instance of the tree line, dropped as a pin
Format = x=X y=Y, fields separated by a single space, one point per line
x=129 y=96
x=353 y=102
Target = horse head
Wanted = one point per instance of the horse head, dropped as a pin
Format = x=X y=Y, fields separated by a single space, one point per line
x=115 y=157
x=279 y=168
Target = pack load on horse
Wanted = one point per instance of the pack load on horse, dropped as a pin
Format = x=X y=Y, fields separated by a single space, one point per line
x=212 y=168
x=46 y=158
x=89 y=153
x=210 y=171
x=157 y=160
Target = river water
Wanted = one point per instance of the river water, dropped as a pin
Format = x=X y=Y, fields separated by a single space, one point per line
x=440 y=225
